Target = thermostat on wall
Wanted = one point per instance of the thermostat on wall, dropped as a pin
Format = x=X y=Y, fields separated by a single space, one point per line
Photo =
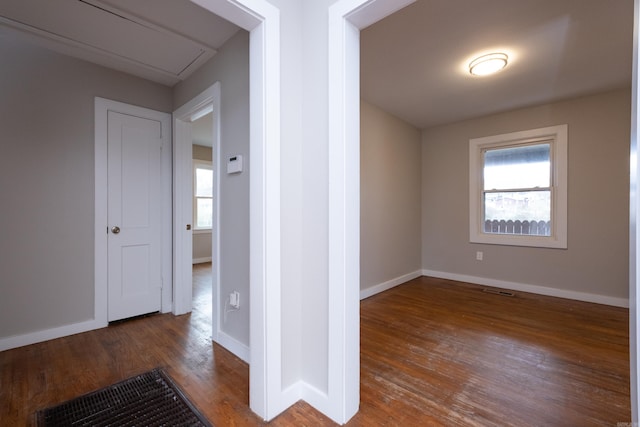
x=234 y=164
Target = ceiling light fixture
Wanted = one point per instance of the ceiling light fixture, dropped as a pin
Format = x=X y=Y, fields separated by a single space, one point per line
x=488 y=64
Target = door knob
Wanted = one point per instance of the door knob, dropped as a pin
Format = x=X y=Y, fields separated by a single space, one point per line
x=115 y=229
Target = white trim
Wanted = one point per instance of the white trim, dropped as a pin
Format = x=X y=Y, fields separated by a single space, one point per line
x=293 y=393
x=199 y=104
x=302 y=390
x=100 y=212
x=559 y=163
x=49 y=334
x=634 y=230
x=344 y=218
x=262 y=19
x=315 y=397
x=206 y=101
x=265 y=387
x=101 y=108
x=381 y=287
x=346 y=18
x=534 y=289
x=201 y=260
x=167 y=214
x=234 y=346
x=182 y=215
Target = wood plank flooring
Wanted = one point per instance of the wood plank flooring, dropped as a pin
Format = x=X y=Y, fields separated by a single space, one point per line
x=436 y=352
x=433 y=352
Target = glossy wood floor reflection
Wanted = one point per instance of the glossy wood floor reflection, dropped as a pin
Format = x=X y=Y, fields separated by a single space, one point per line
x=434 y=352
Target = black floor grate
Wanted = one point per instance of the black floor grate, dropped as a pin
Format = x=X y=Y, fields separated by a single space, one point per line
x=499 y=292
x=149 y=399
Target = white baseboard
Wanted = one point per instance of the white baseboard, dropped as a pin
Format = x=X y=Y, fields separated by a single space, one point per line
x=304 y=391
x=301 y=390
x=376 y=289
x=49 y=334
x=534 y=289
x=292 y=394
x=201 y=260
x=233 y=345
x=316 y=398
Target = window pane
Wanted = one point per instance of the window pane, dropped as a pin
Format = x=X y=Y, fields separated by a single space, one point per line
x=527 y=212
x=204 y=182
x=204 y=213
x=526 y=166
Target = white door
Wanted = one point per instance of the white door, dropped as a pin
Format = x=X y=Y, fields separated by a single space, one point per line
x=134 y=215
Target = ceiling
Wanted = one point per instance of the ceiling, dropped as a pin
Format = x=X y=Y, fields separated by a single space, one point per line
x=202 y=131
x=413 y=63
x=159 y=40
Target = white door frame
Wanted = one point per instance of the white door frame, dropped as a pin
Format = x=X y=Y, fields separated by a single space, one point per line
x=205 y=102
x=262 y=20
x=346 y=19
x=634 y=229
x=102 y=107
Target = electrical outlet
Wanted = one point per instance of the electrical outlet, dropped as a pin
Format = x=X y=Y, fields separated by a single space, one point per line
x=479 y=255
x=234 y=299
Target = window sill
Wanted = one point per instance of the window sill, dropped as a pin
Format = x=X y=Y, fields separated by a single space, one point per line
x=520 y=240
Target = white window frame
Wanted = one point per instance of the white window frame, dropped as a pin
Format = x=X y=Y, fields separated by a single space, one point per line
x=202 y=164
x=557 y=136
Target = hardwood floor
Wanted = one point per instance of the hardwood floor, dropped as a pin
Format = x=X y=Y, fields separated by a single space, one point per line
x=446 y=353
x=433 y=352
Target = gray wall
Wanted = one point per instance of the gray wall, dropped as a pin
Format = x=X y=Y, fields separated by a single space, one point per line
x=230 y=67
x=47 y=181
x=390 y=197
x=596 y=260
x=201 y=242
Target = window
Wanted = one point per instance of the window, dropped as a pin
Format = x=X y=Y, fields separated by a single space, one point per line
x=518 y=188
x=202 y=195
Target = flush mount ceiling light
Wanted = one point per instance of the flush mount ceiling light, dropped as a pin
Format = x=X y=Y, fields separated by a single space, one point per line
x=488 y=64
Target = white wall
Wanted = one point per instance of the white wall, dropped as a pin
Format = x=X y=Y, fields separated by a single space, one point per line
x=315 y=308
x=230 y=67
x=390 y=200
x=47 y=182
x=292 y=143
x=596 y=261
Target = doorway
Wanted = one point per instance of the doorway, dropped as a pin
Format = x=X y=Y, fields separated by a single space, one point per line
x=202 y=226
x=197 y=123
x=350 y=19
